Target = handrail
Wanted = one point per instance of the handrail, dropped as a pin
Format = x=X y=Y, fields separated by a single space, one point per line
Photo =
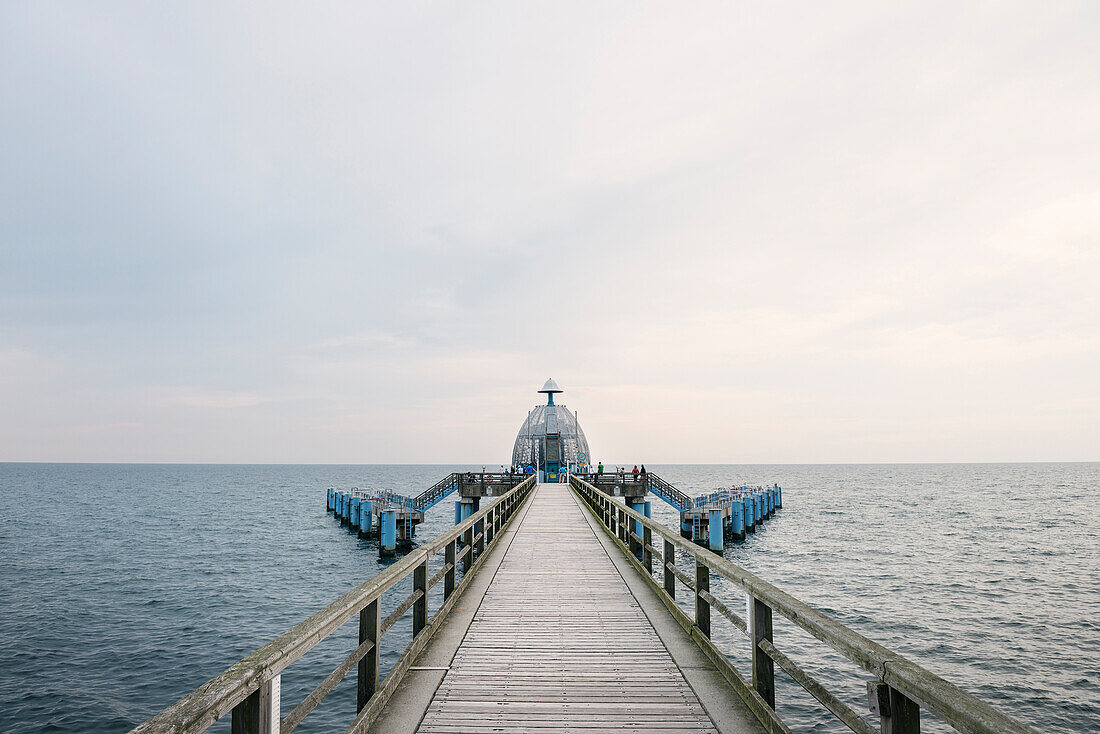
x=668 y=493
x=437 y=491
x=239 y=687
x=903 y=686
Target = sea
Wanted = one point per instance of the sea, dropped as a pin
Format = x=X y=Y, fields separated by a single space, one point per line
x=125 y=586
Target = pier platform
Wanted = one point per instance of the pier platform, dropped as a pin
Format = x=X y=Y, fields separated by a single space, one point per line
x=556 y=640
x=560 y=611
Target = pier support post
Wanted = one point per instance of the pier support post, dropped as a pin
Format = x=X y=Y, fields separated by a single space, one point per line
x=669 y=562
x=387 y=542
x=366 y=518
x=330 y=502
x=749 y=523
x=468 y=543
x=715 y=535
x=898 y=714
x=702 y=606
x=634 y=528
x=763 y=668
x=370 y=629
x=779 y=497
x=420 y=606
x=737 y=519
x=259 y=713
x=449 y=578
x=353 y=512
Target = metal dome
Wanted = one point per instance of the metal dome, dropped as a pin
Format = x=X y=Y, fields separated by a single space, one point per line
x=551 y=438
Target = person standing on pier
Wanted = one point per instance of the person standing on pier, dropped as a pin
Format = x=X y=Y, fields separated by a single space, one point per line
x=599 y=469
x=635 y=472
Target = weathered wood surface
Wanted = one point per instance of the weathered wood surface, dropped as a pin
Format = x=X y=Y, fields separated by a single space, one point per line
x=559 y=643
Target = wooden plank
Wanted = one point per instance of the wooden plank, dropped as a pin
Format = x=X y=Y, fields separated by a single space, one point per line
x=559 y=643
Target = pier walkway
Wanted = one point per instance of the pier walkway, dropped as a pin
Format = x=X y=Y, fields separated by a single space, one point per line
x=559 y=643
x=566 y=617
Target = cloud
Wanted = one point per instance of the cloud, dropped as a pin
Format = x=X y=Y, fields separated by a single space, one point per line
x=366 y=233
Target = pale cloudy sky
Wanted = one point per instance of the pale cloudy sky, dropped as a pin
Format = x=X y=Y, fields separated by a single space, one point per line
x=734 y=232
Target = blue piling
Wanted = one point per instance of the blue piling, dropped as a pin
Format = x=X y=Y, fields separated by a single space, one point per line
x=387 y=545
x=340 y=504
x=779 y=496
x=353 y=512
x=715 y=538
x=330 y=503
x=758 y=508
x=458 y=512
x=737 y=519
x=366 y=517
x=750 y=515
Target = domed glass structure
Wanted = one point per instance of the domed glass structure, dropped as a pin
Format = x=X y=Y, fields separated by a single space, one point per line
x=551 y=438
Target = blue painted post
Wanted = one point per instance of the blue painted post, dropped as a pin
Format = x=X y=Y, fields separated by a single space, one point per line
x=685 y=526
x=458 y=512
x=340 y=504
x=779 y=496
x=353 y=513
x=758 y=508
x=387 y=544
x=366 y=517
x=330 y=503
x=750 y=515
x=716 y=543
x=637 y=505
x=737 y=519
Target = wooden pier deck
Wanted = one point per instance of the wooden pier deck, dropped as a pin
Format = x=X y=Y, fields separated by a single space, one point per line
x=559 y=643
x=559 y=624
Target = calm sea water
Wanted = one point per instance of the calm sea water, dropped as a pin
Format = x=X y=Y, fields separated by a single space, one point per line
x=123 y=587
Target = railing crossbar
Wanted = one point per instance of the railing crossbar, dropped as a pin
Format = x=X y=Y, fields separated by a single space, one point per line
x=848 y=715
x=403 y=607
x=310 y=702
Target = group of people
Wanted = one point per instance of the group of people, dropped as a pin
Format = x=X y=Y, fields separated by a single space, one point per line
x=639 y=474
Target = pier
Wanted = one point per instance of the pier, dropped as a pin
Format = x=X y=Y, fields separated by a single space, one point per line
x=558 y=612
x=710 y=519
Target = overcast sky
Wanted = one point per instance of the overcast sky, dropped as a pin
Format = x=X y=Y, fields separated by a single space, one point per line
x=738 y=232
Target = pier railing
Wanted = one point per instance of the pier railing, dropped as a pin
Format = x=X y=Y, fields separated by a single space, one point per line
x=901 y=687
x=250 y=689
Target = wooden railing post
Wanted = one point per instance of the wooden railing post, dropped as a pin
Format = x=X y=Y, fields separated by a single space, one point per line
x=702 y=606
x=898 y=714
x=763 y=668
x=468 y=542
x=369 y=631
x=669 y=563
x=623 y=527
x=479 y=529
x=647 y=554
x=259 y=713
x=420 y=606
x=449 y=578
x=490 y=525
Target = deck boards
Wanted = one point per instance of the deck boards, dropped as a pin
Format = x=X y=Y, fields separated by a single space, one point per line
x=560 y=644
